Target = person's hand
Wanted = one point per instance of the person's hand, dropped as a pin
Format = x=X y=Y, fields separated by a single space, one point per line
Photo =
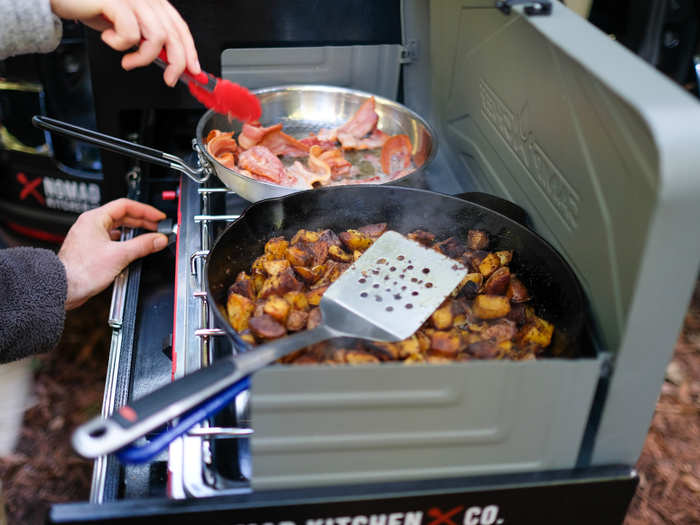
x=148 y=24
x=90 y=253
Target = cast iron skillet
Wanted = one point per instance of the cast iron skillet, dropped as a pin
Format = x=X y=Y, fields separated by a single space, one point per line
x=558 y=296
x=549 y=279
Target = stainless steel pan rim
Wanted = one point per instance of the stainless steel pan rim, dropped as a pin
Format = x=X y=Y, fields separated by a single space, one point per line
x=393 y=118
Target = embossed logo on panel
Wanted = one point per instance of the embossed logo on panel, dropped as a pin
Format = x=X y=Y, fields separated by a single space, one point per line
x=514 y=130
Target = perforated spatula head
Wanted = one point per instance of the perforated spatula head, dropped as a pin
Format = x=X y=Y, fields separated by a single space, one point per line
x=391 y=290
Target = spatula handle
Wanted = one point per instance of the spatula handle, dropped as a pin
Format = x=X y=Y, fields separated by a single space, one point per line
x=100 y=436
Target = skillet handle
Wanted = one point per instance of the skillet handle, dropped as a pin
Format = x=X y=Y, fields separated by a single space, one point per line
x=499 y=205
x=124 y=147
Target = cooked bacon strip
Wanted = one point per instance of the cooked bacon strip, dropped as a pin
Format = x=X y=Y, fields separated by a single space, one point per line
x=223 y=147
x=339 y=165
x=279 y=143
x=396 y=155
x=329 y=163
x=307 y=177
x=316 y=164
x=314 y=140
x=362 y=122
x=328 y=135
x=227 y=159
x=376 y=139
x=213 y=133
x=260 y=161
x=252 y=135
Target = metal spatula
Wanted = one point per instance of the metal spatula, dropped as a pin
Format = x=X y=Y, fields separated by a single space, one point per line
x=384 y=296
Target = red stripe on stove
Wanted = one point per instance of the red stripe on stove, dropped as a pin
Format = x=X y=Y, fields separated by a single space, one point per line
x=36 y=234
x=173 y=352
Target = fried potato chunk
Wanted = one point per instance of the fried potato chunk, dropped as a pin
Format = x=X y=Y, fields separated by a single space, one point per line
x=319 y=250
x=338 y=254
x=277 y=308
x=299 y=257
x=422 y=236
x=257 y=266
x=310 y=275
x=360 y=357
x=258 y=281
x=442 y=317
x=450 y=247
x=305 y=236
x=238 y=311
x=330 y=238
x=280 y=284
x=504 y=256
x=490 y=306
x=470 y=285
x=297 y=300
x=314 y=296
x=489 y=264
x=248 y=337
x=477 y=239
x=356 y=240
x=244 y=286
x=538 y=332
x=445 y=344
x=276 y=247
x=275 y=266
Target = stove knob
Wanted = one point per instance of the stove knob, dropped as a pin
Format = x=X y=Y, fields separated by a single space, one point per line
x=169 y=195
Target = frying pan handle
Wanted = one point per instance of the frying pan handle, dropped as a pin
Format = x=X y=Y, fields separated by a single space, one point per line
x=156 y=445
x=497 y=204
x=117 y=145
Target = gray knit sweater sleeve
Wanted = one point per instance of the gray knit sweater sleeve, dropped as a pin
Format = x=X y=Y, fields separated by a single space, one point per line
x=32 y=302
x=28 y=26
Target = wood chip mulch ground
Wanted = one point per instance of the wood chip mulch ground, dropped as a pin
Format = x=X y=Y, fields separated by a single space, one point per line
x=68 y=391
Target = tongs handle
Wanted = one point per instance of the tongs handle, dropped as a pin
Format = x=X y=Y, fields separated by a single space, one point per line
x=117 y=145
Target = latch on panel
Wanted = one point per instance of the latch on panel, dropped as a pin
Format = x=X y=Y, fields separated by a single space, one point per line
x=543 y=7
x=409 y=52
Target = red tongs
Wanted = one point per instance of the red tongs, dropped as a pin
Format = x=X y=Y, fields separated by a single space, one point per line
x=221 y=95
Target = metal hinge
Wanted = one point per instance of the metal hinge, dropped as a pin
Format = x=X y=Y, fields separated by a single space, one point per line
x=409 y=52
x=543 y=7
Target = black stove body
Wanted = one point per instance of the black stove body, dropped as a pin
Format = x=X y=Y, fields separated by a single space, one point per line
x=509 y=91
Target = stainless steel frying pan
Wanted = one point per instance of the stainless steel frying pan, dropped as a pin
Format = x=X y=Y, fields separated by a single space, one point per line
x=301 y=109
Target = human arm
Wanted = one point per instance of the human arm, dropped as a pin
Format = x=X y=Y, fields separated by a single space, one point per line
x=37 y=286
x=32 y=302
x=29 y=26
x=90 y=255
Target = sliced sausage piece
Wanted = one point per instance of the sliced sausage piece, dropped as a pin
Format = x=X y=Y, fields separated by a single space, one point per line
x=266 y=327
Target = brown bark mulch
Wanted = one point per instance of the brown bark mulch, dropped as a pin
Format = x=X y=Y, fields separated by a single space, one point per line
x=68 y=389
x=669 y=467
